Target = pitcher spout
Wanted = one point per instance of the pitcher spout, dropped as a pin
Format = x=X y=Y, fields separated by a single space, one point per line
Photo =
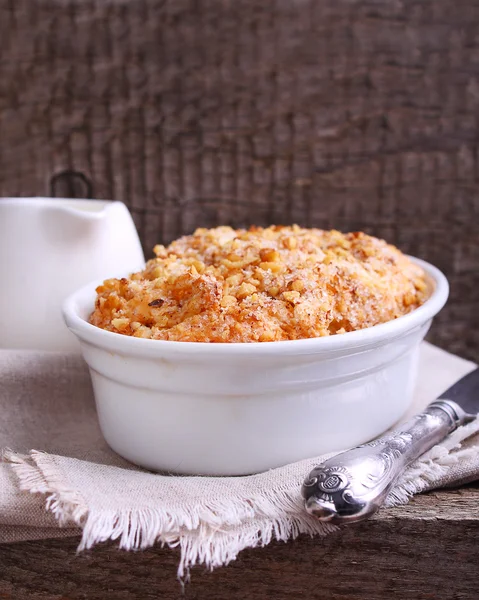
x=86 y=210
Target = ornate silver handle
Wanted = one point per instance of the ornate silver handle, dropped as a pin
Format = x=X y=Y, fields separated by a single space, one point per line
x=352 y=485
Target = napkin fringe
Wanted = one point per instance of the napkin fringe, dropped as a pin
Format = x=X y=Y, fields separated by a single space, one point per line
x=206 y=534
x=31 y=478
x=38 y=473
x=213 y=548
x=213 y=532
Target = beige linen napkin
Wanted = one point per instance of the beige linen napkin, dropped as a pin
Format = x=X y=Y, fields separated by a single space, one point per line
x=78 y=483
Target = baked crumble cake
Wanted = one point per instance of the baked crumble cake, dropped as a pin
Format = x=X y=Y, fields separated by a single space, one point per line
x=262 y=285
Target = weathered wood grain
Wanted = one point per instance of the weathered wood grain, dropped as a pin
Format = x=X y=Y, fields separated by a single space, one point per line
x=427 y=550
x=354 y=114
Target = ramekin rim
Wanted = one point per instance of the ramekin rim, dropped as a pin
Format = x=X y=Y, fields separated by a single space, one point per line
x=122 y=344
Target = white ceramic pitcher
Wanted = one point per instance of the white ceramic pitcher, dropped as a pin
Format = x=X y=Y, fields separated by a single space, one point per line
x=49 y=247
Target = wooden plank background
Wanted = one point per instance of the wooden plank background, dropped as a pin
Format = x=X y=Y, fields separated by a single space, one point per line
x=353 y=114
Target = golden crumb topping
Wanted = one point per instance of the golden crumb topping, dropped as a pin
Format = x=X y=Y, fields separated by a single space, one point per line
x=261 y=285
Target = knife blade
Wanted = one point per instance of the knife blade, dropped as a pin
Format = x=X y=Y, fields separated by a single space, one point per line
x=353 y=485
x=465 y=392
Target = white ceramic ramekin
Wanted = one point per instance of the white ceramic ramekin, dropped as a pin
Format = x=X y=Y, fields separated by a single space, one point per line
x=231 y=409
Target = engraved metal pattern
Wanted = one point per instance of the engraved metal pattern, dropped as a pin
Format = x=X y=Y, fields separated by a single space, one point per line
x=333 y=482
x=352 y=486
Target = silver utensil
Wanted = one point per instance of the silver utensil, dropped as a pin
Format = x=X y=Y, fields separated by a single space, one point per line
x=352 y=486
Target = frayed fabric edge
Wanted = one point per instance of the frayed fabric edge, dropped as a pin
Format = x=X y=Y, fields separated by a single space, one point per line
x=278 y=514
x=215 y=549
x=274 y=515
x=38 y=473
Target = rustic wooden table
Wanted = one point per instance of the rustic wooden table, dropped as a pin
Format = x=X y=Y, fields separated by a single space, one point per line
x=427 y=550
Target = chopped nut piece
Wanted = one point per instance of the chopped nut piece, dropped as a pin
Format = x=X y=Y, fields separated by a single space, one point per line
x=409 y=299
x=121 y=323
x=291 y=243
x=269 y=255
x=297 y=285
x=266 y=336
x=420 y=285
x=228 y=300
x=245 y=289
x=272 y=266
x=291 y=296
x=234 y=279
x=234 y=257
x=273 y=291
